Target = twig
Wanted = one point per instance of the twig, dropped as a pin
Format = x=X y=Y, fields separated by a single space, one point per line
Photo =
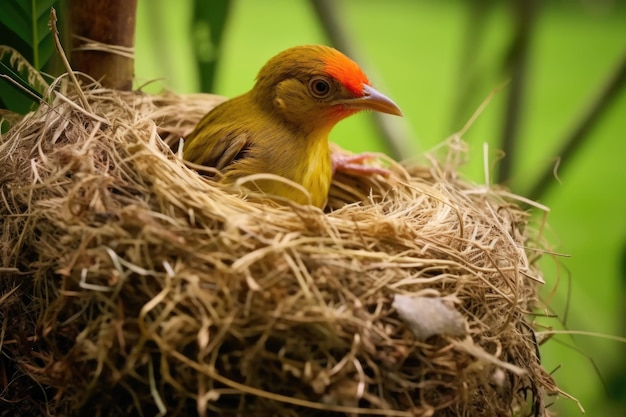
x=470 y=73
x=572 y=143
x=518 y=59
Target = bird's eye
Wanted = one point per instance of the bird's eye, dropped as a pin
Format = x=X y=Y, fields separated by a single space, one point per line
x=319 y=87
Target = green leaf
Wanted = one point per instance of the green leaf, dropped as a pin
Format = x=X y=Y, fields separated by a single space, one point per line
x=46 y=49
x=21 y=84
x=26 y=89
x=28 y=19
x=42 y=7
x=43 y=31
x=16 y=20
x=13 y=100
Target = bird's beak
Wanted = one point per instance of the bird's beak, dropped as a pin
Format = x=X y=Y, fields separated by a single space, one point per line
x=372 y=99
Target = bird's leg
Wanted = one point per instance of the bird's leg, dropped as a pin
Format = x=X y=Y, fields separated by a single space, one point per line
x=354 y=164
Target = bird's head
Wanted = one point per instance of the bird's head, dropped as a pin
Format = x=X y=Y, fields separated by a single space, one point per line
x=316 y=86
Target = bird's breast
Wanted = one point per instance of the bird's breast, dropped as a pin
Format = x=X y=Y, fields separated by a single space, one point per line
x=316 y=172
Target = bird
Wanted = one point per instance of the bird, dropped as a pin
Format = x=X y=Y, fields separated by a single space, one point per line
x=281 y=125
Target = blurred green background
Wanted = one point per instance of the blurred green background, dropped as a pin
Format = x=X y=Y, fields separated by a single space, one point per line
x=422 y=56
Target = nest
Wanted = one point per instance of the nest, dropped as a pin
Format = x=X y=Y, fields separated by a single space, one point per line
x=132 y=285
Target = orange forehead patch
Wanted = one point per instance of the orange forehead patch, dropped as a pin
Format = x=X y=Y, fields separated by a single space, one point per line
x=346 y=71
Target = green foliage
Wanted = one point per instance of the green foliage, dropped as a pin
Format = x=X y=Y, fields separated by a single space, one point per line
x=16 y=92
x=24 y=28
x=28 y=20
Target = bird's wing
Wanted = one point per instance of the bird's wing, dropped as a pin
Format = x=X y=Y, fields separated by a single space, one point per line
x=231 y=151
x=218 y=152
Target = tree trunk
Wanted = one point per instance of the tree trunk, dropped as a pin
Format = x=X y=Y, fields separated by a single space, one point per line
x=98 y=24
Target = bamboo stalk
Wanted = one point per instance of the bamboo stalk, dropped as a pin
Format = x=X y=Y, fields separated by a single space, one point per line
x=103 y=38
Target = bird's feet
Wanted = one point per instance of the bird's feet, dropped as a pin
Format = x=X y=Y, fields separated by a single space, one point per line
x=354 y=164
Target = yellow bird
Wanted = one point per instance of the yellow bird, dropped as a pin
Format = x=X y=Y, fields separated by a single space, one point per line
x=281 y=126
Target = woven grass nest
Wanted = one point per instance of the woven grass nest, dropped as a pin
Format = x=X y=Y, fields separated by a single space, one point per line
x=132 y=285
